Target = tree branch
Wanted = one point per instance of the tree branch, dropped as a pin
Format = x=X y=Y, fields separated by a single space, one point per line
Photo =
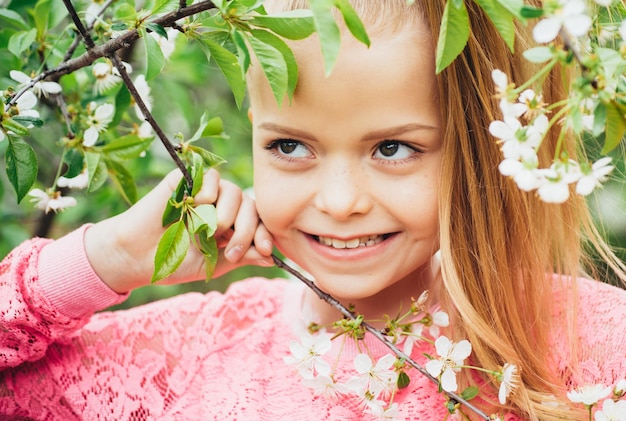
x=377 y=333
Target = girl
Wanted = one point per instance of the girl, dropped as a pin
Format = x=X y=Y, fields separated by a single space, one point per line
x=359 y=180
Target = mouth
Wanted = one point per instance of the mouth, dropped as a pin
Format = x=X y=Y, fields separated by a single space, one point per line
x=353 y=243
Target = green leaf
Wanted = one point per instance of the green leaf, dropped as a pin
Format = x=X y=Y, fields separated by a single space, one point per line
x=214 y=127
x=75 y=162
x=403 y=380
x=470 y=392
x=352 y=20
x=173 y=213
x=122 y=102
x=21 y=41
x=514 y=7
x=126 y=147
x=243 y=55
x=531 y=12
x=615 y=126
x=296 y=24
x=328 y=32
x=538 y=54
x=453 y=35
x=123 y=180
x=197 y=173
x=25 y=120
x=208 y=247
x=42 y=15
x=96 y=171
x=157 y=29
x=273 y=65
x=21 y=166
x=155 y=61
x=202 y=217
x=287 y=55
x=125 y=12
x=164 y=6
x=229 y=66
x=10 y=17
x=210 y=159
x=171 y=251
x=208 y=128
x=14 y=126
x=502 y=19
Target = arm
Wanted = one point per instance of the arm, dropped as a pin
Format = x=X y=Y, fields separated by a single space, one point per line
x=52 y=288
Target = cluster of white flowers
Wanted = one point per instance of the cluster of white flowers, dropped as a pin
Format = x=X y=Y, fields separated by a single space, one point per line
x=520 y=143
x=608 y=400
x=375 y=383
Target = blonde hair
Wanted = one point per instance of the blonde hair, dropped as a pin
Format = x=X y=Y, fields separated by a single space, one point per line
x=498 y=244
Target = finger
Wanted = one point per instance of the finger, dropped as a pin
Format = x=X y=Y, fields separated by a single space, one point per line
x=227 y=206
x=263 y=241
x=210 y=187
x=245 y=227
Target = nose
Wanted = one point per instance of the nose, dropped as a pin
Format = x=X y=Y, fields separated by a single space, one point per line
x=343 y=192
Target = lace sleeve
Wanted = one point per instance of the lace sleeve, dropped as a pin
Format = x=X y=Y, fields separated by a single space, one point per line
x=48 y=291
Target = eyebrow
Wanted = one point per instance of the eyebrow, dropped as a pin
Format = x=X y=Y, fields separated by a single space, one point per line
x=378 y=134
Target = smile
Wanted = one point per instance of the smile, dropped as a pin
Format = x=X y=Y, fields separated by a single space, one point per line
x=365 y=241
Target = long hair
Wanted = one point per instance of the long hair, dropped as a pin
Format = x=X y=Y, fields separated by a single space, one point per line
x=499 y=245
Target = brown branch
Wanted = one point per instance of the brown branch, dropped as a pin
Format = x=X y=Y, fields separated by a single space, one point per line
x=125 y=40
x=147 y=115
x=376 y=332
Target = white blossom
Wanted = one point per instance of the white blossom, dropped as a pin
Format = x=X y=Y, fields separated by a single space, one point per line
x=50 y=200
x=410 y=338
x=620 y=388
x=107 y=76
x=78 y=182
x=325 y=386
x=167 y=45
x=382 y=412
x=452 y=356
x=589 y=394
x=611 y=411
x=622 y=30
x=41 y=88
x=594 y=177
x=99 y=118
x=373 y=380
x=307 y=356
x=571 y=15
x=508 y=382
x=143 y=89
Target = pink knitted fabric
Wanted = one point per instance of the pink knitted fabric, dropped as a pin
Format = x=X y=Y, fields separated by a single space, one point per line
x=202 y=357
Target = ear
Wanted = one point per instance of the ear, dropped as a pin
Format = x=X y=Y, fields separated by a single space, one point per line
x=250 y=115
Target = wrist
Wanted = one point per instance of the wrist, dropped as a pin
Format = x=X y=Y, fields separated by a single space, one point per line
x=108 y=257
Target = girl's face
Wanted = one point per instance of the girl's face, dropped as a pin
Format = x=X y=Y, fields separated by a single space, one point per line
x=346 y=176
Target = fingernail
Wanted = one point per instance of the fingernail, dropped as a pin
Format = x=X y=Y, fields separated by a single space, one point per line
x=267 y=245
x=264 y=263
x=234 y=253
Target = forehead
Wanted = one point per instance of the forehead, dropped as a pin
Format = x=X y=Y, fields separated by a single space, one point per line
x=378 y=15
x=385 y=21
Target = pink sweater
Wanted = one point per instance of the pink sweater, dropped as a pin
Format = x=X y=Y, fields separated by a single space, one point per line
x=210 y=357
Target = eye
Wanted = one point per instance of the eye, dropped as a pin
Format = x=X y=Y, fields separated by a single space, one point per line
x=394 y=150
x=289 y=148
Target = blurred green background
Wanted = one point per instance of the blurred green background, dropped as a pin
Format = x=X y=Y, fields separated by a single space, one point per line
x=187 y=88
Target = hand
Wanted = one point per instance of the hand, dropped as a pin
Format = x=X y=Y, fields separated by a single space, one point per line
x=121 y=249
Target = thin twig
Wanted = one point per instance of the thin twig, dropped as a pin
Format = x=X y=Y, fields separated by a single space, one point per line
x=147 y=115
x=89 y=44
x=76 y=41
x=376 y=332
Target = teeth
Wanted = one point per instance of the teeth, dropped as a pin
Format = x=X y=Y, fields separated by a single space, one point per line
x=368 y=240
